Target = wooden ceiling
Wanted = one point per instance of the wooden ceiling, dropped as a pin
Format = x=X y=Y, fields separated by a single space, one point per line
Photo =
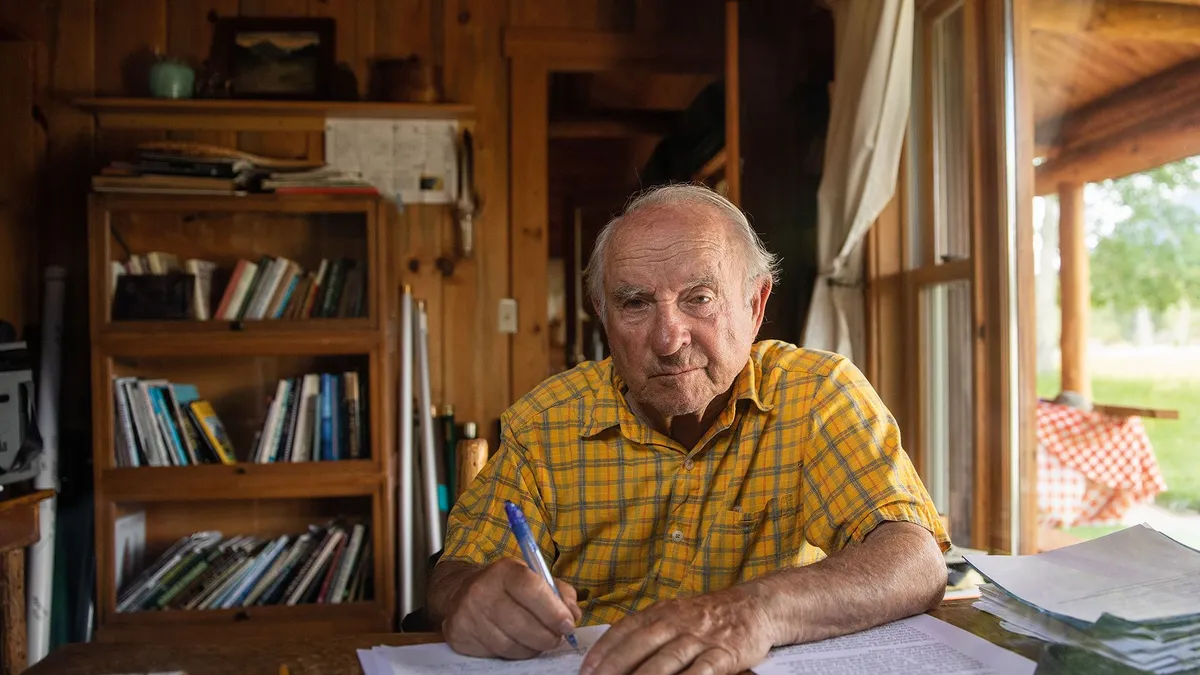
x=1116 y=87
x=1070 y=71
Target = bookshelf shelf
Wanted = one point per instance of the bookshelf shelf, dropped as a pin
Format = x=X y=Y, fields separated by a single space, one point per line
x=195 y=338
x=298 y=620
x=280 y=480
x=249 y=115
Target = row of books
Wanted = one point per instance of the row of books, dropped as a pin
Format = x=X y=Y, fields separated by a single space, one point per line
x=316 y=417
x=328 y=564
x=278 y=288
x=272 y=288
x=163 y=424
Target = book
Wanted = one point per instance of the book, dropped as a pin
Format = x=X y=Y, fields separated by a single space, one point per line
x=208 y=422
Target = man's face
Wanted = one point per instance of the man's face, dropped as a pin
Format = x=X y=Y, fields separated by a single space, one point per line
x=680 y=314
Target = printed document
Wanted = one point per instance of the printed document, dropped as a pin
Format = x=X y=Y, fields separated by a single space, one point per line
x=918 y=645
x=1136 y=574
x=438 y=658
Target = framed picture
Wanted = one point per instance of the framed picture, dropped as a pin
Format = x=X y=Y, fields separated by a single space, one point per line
x=268 y=58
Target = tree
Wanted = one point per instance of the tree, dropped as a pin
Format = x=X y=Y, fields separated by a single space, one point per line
x=1150 y=255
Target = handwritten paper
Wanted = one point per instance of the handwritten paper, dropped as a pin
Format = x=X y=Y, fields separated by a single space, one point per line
x=438 y=658
x=412 y=161
x=919 y=645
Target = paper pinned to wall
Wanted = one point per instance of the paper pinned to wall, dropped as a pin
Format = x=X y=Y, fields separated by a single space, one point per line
x=410 y=161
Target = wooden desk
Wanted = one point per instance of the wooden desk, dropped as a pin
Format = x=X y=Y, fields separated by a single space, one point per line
x=336 y=655
x=19 y=527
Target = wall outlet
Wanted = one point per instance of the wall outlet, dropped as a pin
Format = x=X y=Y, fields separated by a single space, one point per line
x=508 y=315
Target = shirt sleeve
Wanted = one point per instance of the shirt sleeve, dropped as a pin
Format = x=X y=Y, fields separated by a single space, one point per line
x=856 y=473
x=477 y=528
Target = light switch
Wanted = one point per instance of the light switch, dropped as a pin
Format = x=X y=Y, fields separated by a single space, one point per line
x=508 y=315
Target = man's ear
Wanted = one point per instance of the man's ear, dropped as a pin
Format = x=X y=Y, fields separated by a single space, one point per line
x=758 y=301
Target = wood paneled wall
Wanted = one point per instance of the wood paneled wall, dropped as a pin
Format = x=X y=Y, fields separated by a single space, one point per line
x=101 y=47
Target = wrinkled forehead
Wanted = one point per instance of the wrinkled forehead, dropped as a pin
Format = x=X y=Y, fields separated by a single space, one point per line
x=672 y=244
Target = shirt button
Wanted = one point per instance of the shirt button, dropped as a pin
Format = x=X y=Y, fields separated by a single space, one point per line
x=677 y=535
x=688 y=464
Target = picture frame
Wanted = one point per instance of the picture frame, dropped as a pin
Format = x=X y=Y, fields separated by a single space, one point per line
x=286 y=58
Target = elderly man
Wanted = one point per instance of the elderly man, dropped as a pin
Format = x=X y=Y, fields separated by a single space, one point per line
x=708 y=495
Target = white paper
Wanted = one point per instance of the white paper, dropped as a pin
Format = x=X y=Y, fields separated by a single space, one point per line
x=364 y=146
x=918 y=645
x=438 y=658
x=425 y=160
x=415 y=161
x=1136 y=574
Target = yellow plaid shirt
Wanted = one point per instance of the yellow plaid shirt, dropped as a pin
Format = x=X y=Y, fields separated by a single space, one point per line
x=804 y=459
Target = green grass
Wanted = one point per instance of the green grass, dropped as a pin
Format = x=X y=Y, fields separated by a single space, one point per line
x=1174 y=441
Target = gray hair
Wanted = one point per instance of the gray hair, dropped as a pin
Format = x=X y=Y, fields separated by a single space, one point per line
x=759 y=261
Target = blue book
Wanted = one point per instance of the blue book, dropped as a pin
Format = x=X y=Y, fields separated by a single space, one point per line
x=165 y=419
x=326 y=404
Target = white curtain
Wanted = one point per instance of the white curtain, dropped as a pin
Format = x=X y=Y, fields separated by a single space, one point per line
x=868 y=116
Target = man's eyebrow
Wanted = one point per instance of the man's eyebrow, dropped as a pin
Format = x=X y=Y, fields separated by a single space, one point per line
x=626 y=292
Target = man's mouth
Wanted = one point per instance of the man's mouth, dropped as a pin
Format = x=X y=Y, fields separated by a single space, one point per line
x=673 y=373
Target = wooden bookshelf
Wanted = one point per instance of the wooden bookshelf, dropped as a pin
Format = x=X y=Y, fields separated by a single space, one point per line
x=235 y=365
x=250 y=115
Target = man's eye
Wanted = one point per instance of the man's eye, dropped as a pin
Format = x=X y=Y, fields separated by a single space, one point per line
x=701 y=300
x=634 y=304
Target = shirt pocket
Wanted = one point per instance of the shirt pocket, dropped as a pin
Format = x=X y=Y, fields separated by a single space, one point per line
x=746 y=543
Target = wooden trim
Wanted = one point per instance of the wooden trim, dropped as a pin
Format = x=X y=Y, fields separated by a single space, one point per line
x=1126 y=411
x=732 y=154
x=973 y=57
x=1024 y=361
x=931 y=275
x=529 y=222
x=245 y=115
x=712 y=167
x=14 y=658
x=586 y=50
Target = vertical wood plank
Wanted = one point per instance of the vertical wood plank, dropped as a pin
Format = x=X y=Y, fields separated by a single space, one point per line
x=353 y=48
x=12 y=614
x=283 y=145
x=416 y=240
x=128 y=34
x=189 y=37
x=478 y=375
x=733 y=102
x=18 y=245
x=530 y=220
x=1076 y=289
x=404 y=27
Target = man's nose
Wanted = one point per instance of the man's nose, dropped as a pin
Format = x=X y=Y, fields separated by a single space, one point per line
x=670 y=330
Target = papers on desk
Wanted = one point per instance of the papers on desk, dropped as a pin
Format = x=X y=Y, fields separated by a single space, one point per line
x=436 y=658
x=1132 y=596
x=919 y=645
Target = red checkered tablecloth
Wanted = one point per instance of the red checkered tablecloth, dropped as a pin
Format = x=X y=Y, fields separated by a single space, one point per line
x=1092 y=467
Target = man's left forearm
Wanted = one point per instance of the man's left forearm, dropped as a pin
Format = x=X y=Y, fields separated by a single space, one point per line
x=897 y=571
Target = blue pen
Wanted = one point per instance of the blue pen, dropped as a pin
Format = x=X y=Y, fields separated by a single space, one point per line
x=533 y=554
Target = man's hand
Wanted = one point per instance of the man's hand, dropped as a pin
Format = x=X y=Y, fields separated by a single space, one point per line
x=717 y=633
x=508 y=611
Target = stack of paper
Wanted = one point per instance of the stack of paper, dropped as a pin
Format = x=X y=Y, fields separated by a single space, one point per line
x=1132 y=596
x=433 y=658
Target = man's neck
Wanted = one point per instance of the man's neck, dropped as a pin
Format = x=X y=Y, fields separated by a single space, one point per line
x=687 y=429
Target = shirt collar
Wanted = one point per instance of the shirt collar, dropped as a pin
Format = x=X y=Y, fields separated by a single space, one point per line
x=611 y=408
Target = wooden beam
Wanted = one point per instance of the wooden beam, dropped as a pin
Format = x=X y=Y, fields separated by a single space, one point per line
x=1142 y=126
x=1119 y=19
x=1076 y=289
x=587 y=51
x=733 y=98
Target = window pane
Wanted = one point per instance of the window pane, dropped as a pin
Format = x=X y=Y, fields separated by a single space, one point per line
x=915 y=167
x=947 y=385
x=951 y=140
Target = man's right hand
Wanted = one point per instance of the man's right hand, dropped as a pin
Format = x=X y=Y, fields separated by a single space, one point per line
x=506 y=610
